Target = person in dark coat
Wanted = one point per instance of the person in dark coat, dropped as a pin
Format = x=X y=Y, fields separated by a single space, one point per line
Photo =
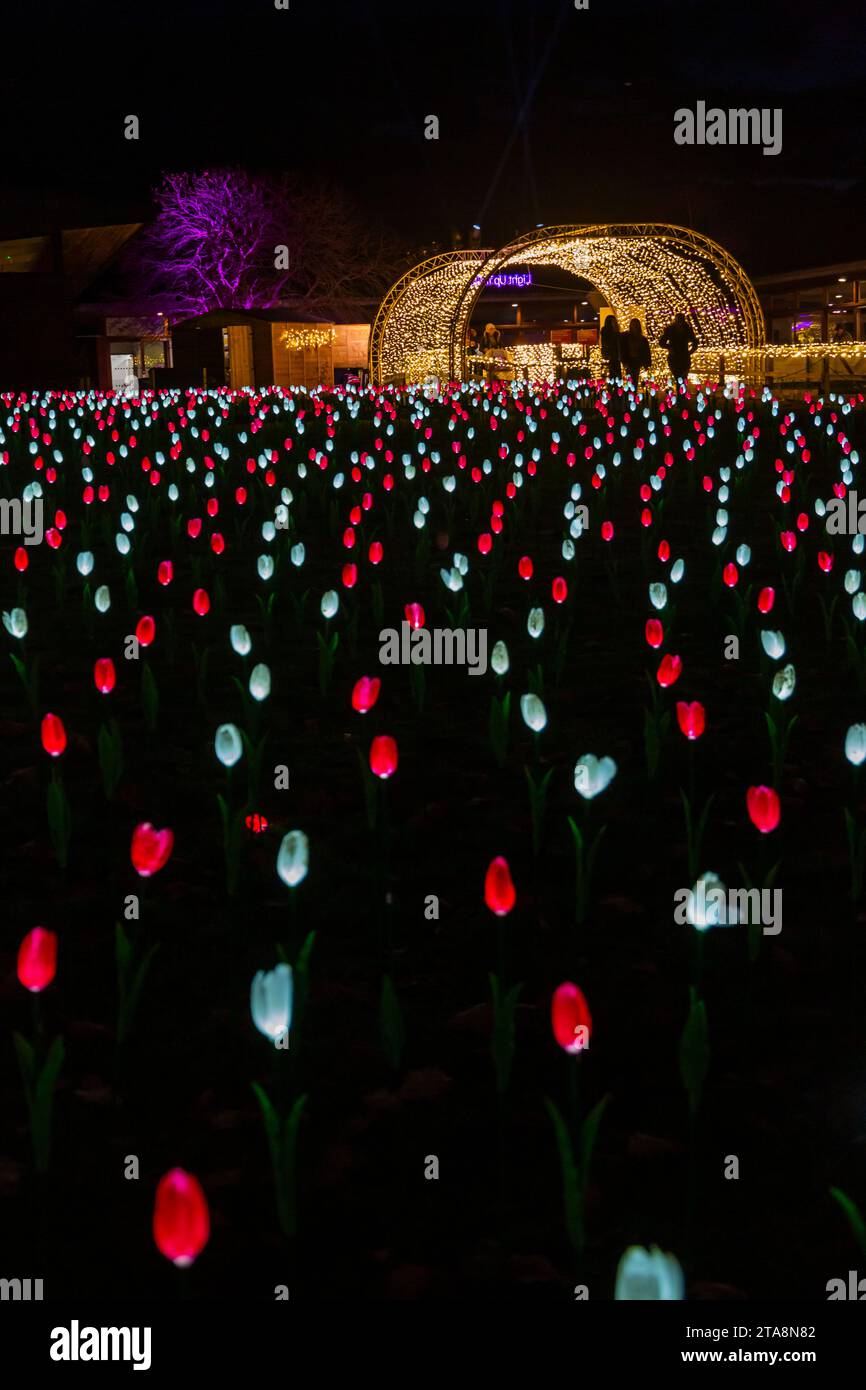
x=610 y=336
x=680 y=342
x=635 y=350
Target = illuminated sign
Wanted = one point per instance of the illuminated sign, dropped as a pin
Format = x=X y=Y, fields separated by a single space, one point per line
x=505 y=280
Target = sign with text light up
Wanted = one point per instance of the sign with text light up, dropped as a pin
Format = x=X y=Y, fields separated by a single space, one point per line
x=505 y=280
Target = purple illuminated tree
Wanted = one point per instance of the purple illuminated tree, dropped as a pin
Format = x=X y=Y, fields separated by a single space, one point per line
x=219 y=237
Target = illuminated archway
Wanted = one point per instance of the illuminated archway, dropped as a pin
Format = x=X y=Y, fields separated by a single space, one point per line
x=662 y=270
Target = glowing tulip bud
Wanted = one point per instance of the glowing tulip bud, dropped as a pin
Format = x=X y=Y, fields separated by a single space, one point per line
x=330 y=603
x=293 y=858
x=858 y=607
x=365 y=693
x=570 y=1018
x=15 y=623
x=852 y=581
x=593 y=775
x=37 y=959
x=730 y=575
x=271 y=997
x=104 y=676
x=499 y=658
x=678 y=569
x=855 y=744
x=670 y=670
x=256 y=822
x=766 y=599
x=102 y=599
x=414 y=615
x=297 y=554
x=228 y=744
x=181 y=1221
x=260 y=681
x=707 y=903
x=744 y=555
x=773 y=643
x=658 y=596
x=145 y=630
x=524 y=567
x=53 y=735
x=559 y=590
x=691 y=718
x=265 y=566
x=535 y=622
x=84 y=563
x=654 y=632
x=201 y=602
x=151 y=849
x=383 y=756
x=607 y=530
x=533 y=712
x=762 y=804
x=165 y=572
x=784 y=682
x=21 y=559
x=499 y=894
x=240 y=639
x=648 y=1276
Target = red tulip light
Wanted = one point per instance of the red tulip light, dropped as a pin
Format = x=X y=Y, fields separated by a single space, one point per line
x=365 y=693
x=37 y=959
x=414 y=615
x=383 y=756
x=257 y=823
x=151 y=849
x=762 y=803
x=524 y=567
x=691 y=718
x=104 y=677
x=570 y=1018
x=766 y=599
x=499 y=894
x=670 y=669
x=53 y=735
x=145 y=630
x=201 y=602
x=181 y=1221
x=559 y=590
x=165 y=572
x=655 y=633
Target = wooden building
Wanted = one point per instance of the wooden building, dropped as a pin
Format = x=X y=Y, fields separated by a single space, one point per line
x=262 y=347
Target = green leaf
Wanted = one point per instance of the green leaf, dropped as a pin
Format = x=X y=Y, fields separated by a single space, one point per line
x=391 y=1030
x=572 y=1195
x=269 y=1115
x=588 y=1136
x=503 y=1034
x=26 y=1061
x=694 y=1051
x=59 y=820
x=855 y=1220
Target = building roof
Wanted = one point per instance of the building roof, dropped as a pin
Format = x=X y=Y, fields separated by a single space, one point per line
x=84 y=252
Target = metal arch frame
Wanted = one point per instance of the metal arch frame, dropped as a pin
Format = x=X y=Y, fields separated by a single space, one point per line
x=753 y=318
x=400 y=288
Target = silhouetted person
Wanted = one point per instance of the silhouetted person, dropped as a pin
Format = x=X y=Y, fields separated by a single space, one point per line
x=610 y=349
x=635 y=350
x=490 y=339
x=680 y=342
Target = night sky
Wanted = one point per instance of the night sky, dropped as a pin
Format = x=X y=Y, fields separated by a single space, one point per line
x=547 y=114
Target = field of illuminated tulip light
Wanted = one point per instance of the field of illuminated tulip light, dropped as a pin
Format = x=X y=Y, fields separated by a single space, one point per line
x=483 y=1057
